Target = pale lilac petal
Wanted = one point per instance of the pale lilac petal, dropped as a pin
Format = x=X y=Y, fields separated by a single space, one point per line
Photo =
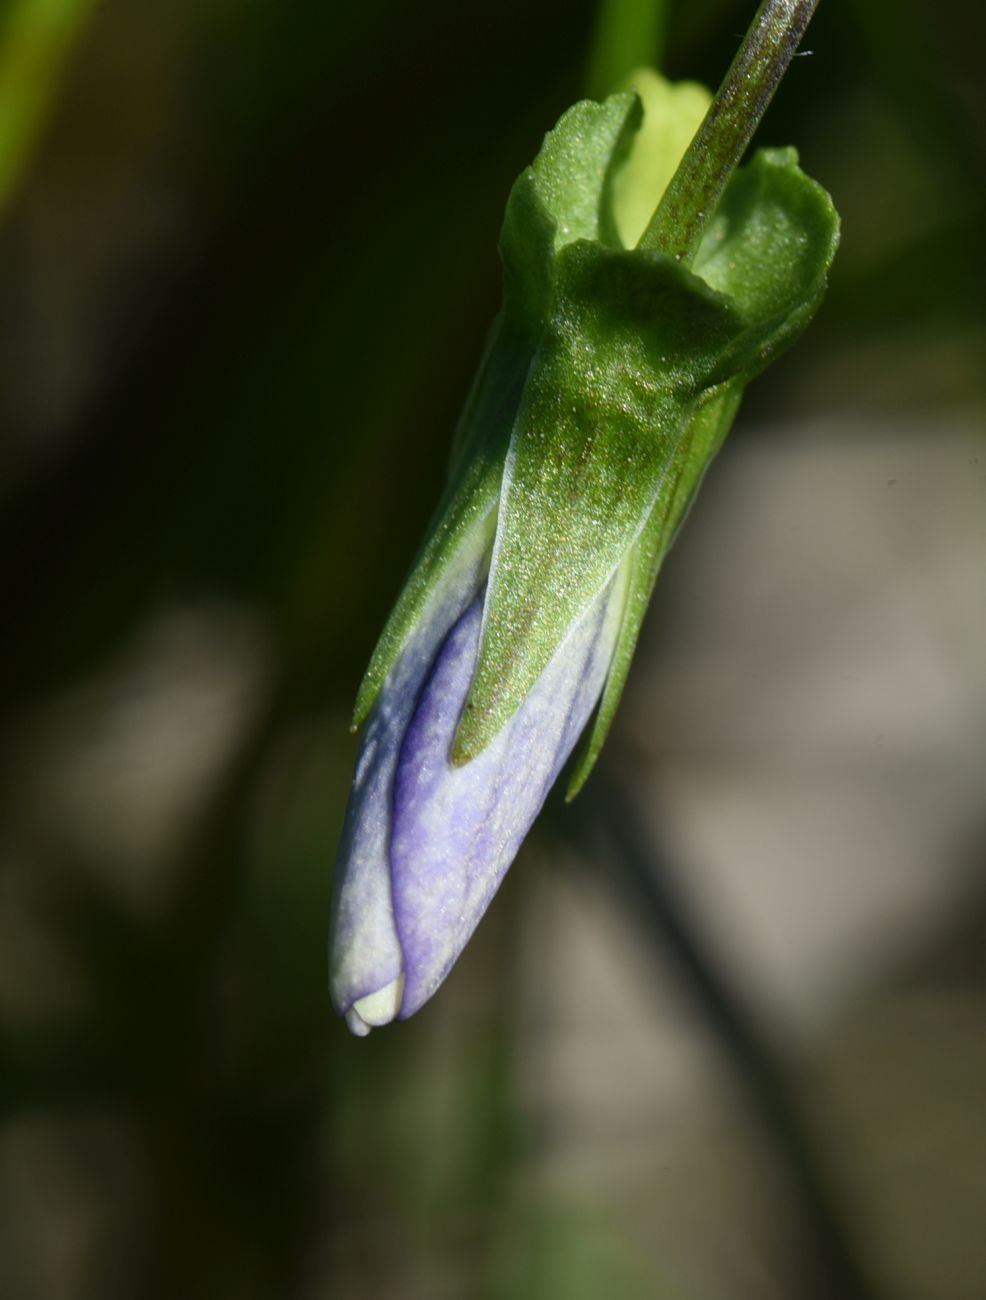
x=457 y=829
x=425 y=845
x=366 y=955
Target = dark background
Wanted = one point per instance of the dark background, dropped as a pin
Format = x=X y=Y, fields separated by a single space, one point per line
x=247 y=263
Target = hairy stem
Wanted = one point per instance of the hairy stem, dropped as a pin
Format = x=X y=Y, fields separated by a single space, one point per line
x=741 y=101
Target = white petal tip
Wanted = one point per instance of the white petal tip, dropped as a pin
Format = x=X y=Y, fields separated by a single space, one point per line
x=375 y=1009
x=355 y=1025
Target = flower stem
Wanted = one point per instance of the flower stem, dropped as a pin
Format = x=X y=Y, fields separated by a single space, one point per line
x=747 y=88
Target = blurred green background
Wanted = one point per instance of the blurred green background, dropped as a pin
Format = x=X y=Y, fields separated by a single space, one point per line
x=247 y=263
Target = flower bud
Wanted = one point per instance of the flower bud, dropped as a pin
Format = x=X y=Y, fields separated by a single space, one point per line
x=611 y=377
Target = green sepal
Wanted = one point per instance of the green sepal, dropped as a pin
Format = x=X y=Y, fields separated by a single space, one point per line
x=733 y=269
x=466 y=515
x=769 y=246
x=559 y=198
x=701 y=440
x=627 y=358
x=620 y=364
x=601 y=395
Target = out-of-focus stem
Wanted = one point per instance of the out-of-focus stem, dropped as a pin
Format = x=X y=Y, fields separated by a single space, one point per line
x=628 y=33
x=612 y=827
x=36 y=41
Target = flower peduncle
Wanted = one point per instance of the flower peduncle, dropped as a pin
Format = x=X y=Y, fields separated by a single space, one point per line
x=690 y=199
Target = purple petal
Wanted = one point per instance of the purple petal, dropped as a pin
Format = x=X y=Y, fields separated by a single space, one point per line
x=457 y=829
x=366 y=955
x=425 y=845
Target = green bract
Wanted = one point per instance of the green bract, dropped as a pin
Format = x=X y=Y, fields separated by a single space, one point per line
x=610 y=379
